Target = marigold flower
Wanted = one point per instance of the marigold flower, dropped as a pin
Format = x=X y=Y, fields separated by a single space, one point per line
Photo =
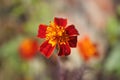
x=56 y=33
x=28 y=48
x=87 y=48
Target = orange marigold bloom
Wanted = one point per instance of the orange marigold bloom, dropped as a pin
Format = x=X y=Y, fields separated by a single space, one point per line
x=56 y=33
x=28 y=48
x=87 y=48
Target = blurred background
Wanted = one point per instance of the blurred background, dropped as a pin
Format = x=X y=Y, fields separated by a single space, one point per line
x=97 y=19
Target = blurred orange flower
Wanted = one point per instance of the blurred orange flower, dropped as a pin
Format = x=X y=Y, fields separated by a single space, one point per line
x=28 y=48
x=87 y=48
x=57 y=33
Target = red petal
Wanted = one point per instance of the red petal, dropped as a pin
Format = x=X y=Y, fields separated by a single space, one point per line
x=64 y=50
x=42 y=31
x=70 y=30
x=60 y=21
x=73 y=41
x=46 y=49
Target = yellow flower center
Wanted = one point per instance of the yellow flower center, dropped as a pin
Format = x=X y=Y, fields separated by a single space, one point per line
x=56 y=34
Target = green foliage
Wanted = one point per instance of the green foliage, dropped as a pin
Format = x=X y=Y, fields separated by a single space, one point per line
x=113 y=30
x=118 y=9
x=12 y=61
x=10 y=48
x=17 y=11
x=39 y=13
x=113 y=62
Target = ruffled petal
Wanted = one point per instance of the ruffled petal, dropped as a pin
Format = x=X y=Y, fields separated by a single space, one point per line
x=46 y=49
x=72 y=41
x=70 y=30
x=60 y=21
x=64 y=50
x=42 y=31
x=87 y=49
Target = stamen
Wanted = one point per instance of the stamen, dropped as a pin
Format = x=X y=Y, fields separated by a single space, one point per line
x=56 y=34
